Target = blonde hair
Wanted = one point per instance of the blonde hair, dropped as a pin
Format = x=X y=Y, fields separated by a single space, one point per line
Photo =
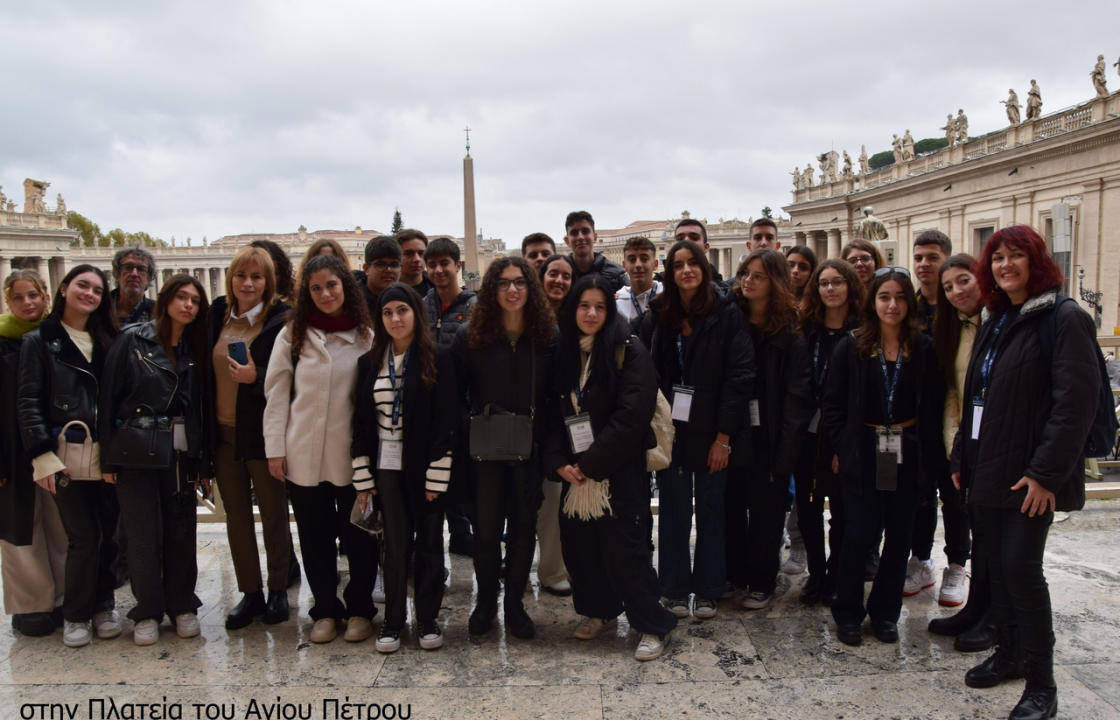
x=251 y=255
x=32 y=277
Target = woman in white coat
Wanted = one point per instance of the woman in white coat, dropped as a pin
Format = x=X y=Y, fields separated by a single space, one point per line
x=309 y=388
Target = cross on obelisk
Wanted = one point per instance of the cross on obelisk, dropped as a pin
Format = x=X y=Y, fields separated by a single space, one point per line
x=467 y=130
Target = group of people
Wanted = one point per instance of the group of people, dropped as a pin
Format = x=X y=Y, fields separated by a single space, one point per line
x=382 y=401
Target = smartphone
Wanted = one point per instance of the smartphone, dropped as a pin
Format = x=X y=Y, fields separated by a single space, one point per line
x=238 y=352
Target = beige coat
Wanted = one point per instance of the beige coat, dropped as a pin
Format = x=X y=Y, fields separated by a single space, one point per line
x=954 y=406
x=312 y=430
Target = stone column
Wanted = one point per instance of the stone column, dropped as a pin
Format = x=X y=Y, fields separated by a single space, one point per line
x=44 y=269
x=5 y=270
x=221 y=281
x=729 y=257
x=834 y=244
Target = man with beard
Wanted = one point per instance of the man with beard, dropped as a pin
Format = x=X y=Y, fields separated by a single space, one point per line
x=134 y=268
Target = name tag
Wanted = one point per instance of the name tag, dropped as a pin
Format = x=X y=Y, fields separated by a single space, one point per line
x=815 y=422
x=580 y=435
x=890 y=441
x=390 y=455
x=977 y=414
x=682 y=402
x=179 y=434
x=756 y=416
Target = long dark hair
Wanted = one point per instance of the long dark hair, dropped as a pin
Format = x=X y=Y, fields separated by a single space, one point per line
x=781 y=308
x=283 y=266
x=423 y=347
x=102 y=323
x=197 y=333
x=811 y=257
x=485 y=327
x=947 y=323
x=614 y=332
x=668 y=305
x=869 y=333
x=813 y=309
x=353 y=302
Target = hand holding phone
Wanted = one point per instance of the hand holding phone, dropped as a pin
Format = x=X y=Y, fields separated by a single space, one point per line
x=238 y=352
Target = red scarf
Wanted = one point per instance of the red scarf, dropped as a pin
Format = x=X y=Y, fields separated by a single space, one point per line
x=319 y=320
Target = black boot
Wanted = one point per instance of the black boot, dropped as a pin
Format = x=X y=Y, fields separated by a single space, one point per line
x=978 y=638
x=811 y=593
x=1040 y=698
x=252 y=605
x=276 y=609
x=1004 y=664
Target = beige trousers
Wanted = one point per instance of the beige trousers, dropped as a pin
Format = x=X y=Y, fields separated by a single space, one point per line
x=33 y=574
x=550 y=567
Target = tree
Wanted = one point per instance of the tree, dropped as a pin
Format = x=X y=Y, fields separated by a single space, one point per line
x=767 y=212
x=90 y=232
x=928 y=145
x=397 y=222
x=880 y=160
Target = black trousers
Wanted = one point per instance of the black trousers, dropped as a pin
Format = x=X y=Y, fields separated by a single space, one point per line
x=608 y=561
x=953 y=513
x=504 y=493
x=323 y=514
x=413 y=533
x=160 y=519
x=766 y=517
x=89 y=514
x=813 y=485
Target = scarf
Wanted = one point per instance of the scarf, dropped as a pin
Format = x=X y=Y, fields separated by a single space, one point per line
x=15 y=328
x=592 y=500
x=319 y=320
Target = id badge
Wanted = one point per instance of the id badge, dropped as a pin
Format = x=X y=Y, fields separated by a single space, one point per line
x=894 y=445
x=390 y=453
x=179 y=434
x=682 y=402
x=886 y=471
x=580 y=435
x=977 y=415
x=756 y=416
x=815 y=422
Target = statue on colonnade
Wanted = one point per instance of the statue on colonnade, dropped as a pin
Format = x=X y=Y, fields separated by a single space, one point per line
x=1034 y=102
x=1100 y=83
x=1012 y=105
x=907 y=145
x=871 y=227
x=864 y=164
x=846 y=169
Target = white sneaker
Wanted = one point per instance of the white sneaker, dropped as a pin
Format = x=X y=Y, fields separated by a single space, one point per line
x=107 y=623
x=146 y=632
x=919 y=576
x=952 y=586
x=677 y=607
x=76 y=634
x=650 y=647
x=186 y=625
x=756 y=600
x=796 y=562
x=590 y=628
x=703 y=609
x=379 y=588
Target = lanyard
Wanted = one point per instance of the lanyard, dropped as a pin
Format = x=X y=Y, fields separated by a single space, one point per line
x=890 y=384
x=990 y=357
x=680 y=354
x=637 y=305
x=393 y=382
x=818 y=371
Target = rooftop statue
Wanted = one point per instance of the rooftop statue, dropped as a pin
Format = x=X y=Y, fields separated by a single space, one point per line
x=807 y=176
x=907 y=146
x=1012 y=105
x=796 y=178
x=1097 y=75
x=1034 y=102
x=950 y=130
x=962 y=127
x=846 y=169
x=864 y=165
x=896 y=148
x=871 y=227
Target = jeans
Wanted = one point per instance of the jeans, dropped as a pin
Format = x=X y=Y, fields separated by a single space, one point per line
x=706 y=575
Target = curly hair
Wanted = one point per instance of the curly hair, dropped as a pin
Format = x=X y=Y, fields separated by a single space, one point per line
x=485 y=327
x=1044 y=272
x=422 y=341
x=869 y=333
x=813 y=310
x=353 y=302
x=781 y=306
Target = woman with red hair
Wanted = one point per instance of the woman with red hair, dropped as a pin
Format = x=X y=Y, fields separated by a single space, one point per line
x=1026 y=412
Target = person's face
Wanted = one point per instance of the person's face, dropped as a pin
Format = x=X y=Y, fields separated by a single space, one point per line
x=399 y=320
x=248 y=285
x=640 y=266
x=927 y=261
x=513 y=289
x=591 y=312
x=754 y=282
x=557 y=280
x=1012 y=270
x=692 y=233
x=183 y=308
x=799 y=270
x=890 y=304
x=83 y=293
x=962 y=290
x=763 y=236
x=536 y=253
x=687 y=273
x=443 y=272
x=863 y=263
x=26 y=301
x=412 y=260
x=581 y=236
x=381 y=273
x=833 y=288
x=132 y=277
x=326 y=292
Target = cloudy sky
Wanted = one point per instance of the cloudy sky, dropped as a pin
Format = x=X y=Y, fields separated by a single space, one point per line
x=213 y=118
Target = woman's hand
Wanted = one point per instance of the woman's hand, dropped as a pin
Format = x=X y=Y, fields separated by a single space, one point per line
x=46 y=483
x=430 y=495
x=244 y=374
x=278 y=467
x=835 y=464
x=110 y=478
x=571 y=473
x=719 y=453
x=206 y=484
x=1038 y=500
x=364 y=497
x=957 y=480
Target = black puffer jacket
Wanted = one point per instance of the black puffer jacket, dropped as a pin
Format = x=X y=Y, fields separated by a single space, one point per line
x=611 y=271
x=785 y=395
x=56 y=385
x=1035 y=418
x=445 y=323
x=250 y=396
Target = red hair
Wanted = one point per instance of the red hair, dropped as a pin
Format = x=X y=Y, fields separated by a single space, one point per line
x=1044 y=272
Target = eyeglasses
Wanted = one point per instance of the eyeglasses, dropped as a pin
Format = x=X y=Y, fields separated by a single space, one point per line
x=127 y=268
x=861 y=259
x=387 y=265
x=518 y=284
x=892 y=269
x=835 y=283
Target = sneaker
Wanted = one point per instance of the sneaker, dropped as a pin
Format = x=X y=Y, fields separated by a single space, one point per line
x=677 y=607
x=186 y=625
x=146 y=632
x=76 y=634
x=389 y=641
x=562 y=588
x=358 y=629
x=379 y=589
x=757 y=600
x=107 y=624
x=590 y=628
x=650 y=647
x=796 y=562
x=430 y=636
x=952 y=586
x=919 y=576
x=324 y=630
x=703 y=609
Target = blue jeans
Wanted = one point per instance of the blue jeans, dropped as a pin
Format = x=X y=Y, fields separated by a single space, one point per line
x=708 y=574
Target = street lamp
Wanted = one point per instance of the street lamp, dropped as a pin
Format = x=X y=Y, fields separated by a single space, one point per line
x=1093 y=297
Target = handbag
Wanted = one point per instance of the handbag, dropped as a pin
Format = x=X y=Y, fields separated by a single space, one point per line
x=660 y=456
x=82 y=459
x=142 y=441
x=500 y=435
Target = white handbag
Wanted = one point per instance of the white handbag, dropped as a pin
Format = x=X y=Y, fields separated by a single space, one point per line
x=82 y=460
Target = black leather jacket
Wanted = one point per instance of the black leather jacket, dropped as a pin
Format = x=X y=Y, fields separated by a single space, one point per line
x=56 y=385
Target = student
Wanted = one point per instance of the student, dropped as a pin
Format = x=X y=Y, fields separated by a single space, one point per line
x=607 y=379
x=404 y=423
x=705 y=367
x=309 y=389
x=504 y=360
x=693 y=230
x=323 y=246
x=413 y=246
x=32 y=539
x=864 y=256
x=763 y=234
x=382 y=268
x=802 y=262
x=60 y=371
x=556 y=274
x=779 y=411
x=536 y=248
x=640 y=261
x=580 y=237
x=285 y=279
x=158 y=374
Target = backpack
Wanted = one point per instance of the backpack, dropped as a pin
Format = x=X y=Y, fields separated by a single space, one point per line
x=660 y=456
x=1102 y=435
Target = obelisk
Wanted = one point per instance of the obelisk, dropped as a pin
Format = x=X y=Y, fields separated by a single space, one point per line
x=470 y=238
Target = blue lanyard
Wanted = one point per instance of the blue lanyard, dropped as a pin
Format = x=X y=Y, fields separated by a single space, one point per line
x=393 y=382
x=818 y=371
x=890 y=384
x=680 y=354
x=990 y=357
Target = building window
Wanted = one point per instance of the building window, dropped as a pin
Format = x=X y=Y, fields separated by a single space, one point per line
x=980 y=236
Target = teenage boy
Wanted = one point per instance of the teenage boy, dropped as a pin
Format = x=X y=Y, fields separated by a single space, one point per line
x=536 y=248
x=931 y=249
x=694 y=230
x=639 y=259
x=764 y=234
x=413 y=244
x=382 y=268
x=580 y=237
